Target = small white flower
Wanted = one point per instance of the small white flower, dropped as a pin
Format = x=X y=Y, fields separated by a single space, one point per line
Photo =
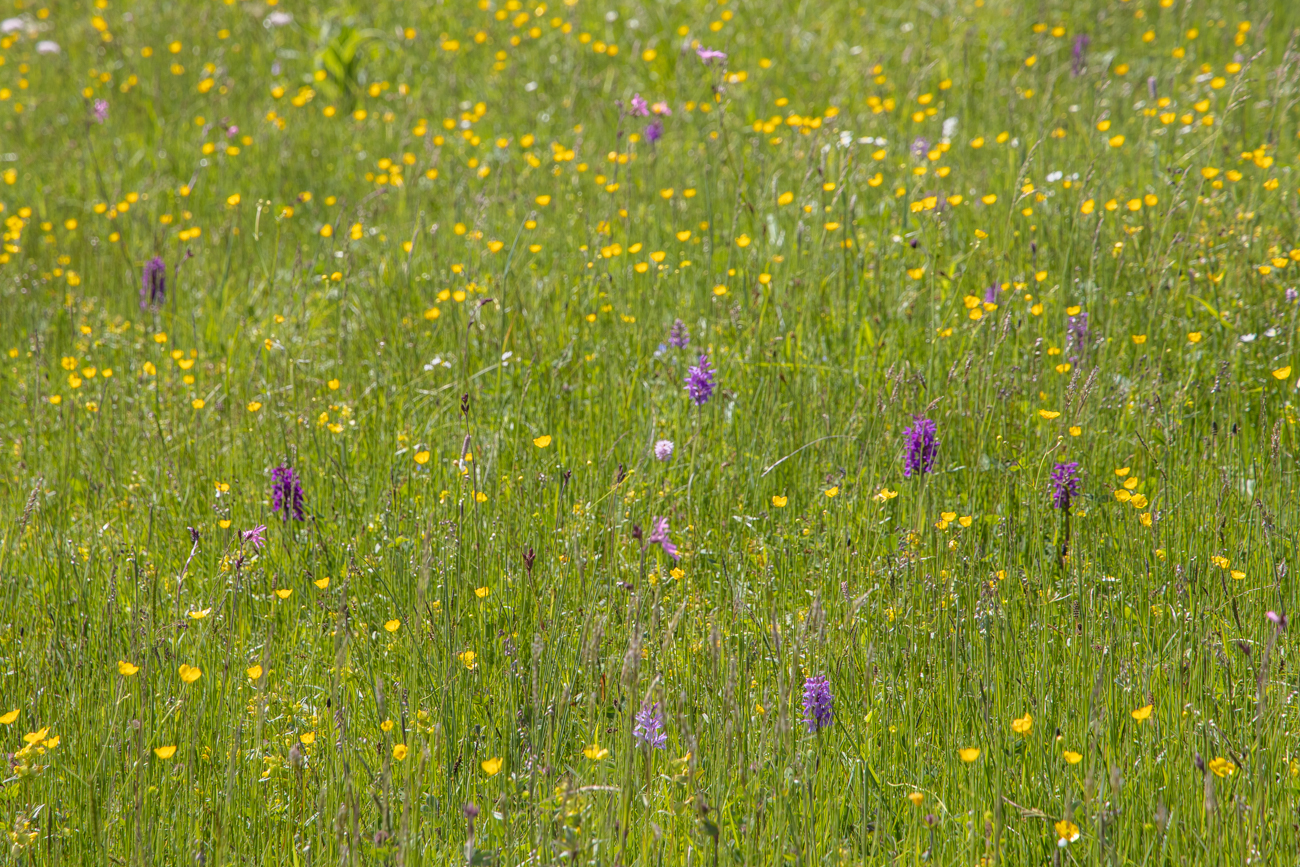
x=47 y=46
x=11 y=25
x=949 y=127
x=278 y=19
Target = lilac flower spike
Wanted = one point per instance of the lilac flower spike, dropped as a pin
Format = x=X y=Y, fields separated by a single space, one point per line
x=918 y=456
x=817 y=711
x=663 y=450
x=1077 y=55
x=1065 y=484
x=654 y=131
x=153 y=289
x=649 y=728
x=255 y=537
x=101 y=110
x=699 y=381
x=286 y=493
x=639 y=107
x=659 y=536
x=708 y=55
x=678 y=336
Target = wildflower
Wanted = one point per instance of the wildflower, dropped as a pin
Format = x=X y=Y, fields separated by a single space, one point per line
x=1222 y=767
x=663 y=450
x=100 y=110
x=678 y=336
x=968 y=754
x=153 y=291
x=1278 y=620
x=920 y=147
x=649 y=729
x=639 y=107
x=918 y=456
x=654 y=131
x=1066 y=833
x=1023 y=726
x=699 y=382
x=286 y=493
x=706 y=55
x=661 y=108
x=491 y=766
x=595 y=752
x=817 y=713
x=1065 y=484
x=255 y=536
x=399 y=752
x=164 y=752
x=47 y=46
x=659 y=536
x=1142 y=713
x=1076 y=336
x=1081 y=43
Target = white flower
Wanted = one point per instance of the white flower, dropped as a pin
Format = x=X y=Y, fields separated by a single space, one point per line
x=11 y=25
x=278 y=19
x=664 y=449
x=949 y=127
x=47 y=46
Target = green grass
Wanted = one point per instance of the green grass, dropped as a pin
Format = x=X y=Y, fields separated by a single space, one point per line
x=508 y=292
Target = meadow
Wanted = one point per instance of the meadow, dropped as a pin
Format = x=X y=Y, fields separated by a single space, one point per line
x=619 y=433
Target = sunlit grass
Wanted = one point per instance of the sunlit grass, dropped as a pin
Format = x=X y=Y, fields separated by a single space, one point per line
x=369 y=496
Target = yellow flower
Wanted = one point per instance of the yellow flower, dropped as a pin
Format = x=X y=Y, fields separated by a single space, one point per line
x=542 y=441
x=8 y=719
x=1193 y=337
x=199 y=615
x=968 y=754
x=1282 y=372
x=1237 y=574
x=482 y=592
x=422 y=457
x=1072 y=757
x=884 y=495
x=1142 y=713
x=190 y=673
x=393 y=625
x=322 y=583
x=284 y=592
x=399 y=751
x=254 y=672
x=254 y=406
x=386 y=726
x=126 y=669
x=1139 y=339
x=832 y=491
x=492 y=766
x=307 y=738
x=1067 y=831
x=468 y=658
x=1049 y=414
x=1222 y=767
x=595 y=752
x=1023 y=726
x=916 y=798
x=779 y=501
x=164 y=752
